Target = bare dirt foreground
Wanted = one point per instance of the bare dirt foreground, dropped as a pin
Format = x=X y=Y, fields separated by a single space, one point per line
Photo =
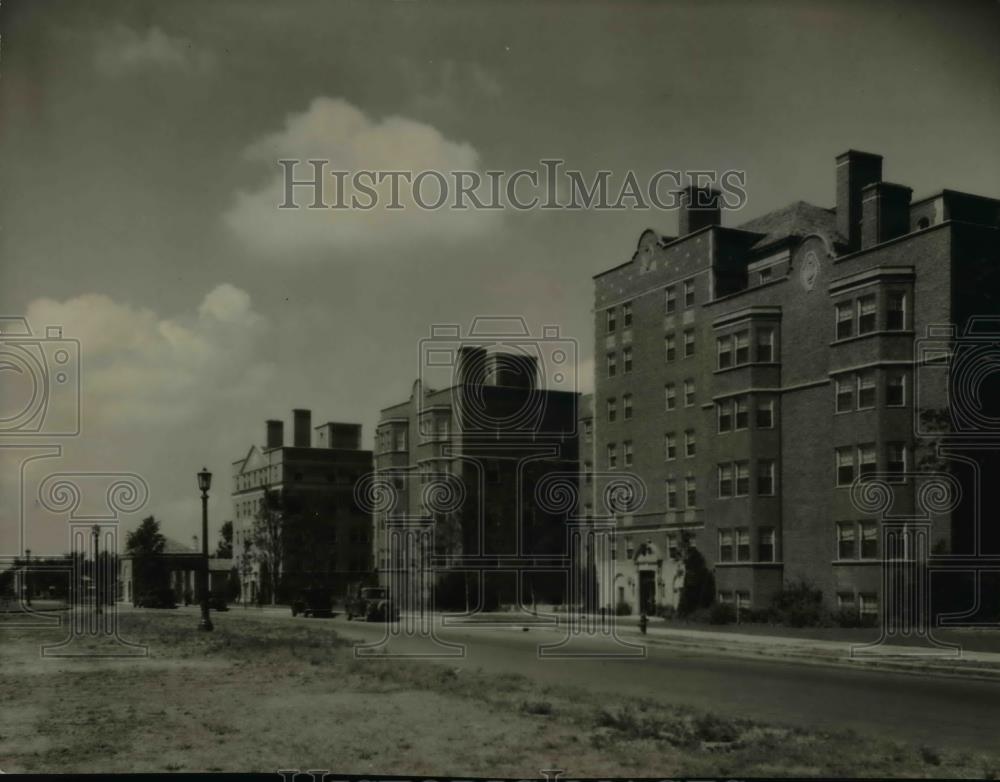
x=260 y=695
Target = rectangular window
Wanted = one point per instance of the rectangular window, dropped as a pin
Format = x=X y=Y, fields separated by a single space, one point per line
x=869 y=540
x=670 y=348
x=725 y=345
x=742 y=601
x=725 y=480
x=765 y=413
x=612 y=455
x=742 y=340
x=845 y=466
x=688 y=393
x=895 y=389
x=627 y=314
x=742 y=479
x=688 y=343
x=743 y=544
x=846 y=602
x=765 y=544
x=627 y=406
x=627 y=359
x=690 y=493
x=867 y=314
x=764 y=275
x=673 y=551
x=726 y=598
x=866 y=390
x=765 y=477
x=611 y=320
x=670 y=299
x=725 y=409
x=670 y=446
x=895 y=458
x=627 y=452
x=742 y=412
x=868 y=604
x=845 y=394
x=612 y=405
x=765 y=345
x=588 y=431
x=670 y=396
x=725 y=545
x=847 y=544
x=867 y=459
x=689 y=444
x=629 y=547
x=895 y=311
x=845 y=320
x=688 y=293
x=671 y=494
x=612 y=364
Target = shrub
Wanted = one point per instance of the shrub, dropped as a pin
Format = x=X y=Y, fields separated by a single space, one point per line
x=721 y=614
x=799 y=605
x=623 y=609
x=665 y=611
x=698 y=590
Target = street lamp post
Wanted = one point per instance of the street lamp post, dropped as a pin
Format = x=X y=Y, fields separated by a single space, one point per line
x=27 y=576
x=204 y=483
x=96 y=572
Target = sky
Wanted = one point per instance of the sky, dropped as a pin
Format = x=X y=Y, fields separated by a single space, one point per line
x=138 y=149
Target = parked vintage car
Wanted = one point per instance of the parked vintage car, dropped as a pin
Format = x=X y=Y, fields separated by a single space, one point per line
x=314 y=601
x=157 y=598
x=373 y=604
x=217 y=602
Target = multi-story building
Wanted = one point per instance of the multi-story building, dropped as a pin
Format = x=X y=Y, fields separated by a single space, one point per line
x=748 y=375
x=469 y=461
x=326 y=538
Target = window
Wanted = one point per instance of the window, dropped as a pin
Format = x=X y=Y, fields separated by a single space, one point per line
x=627 y=452
x=688 y=293
x=895 y=458
x=627 y=406
x=611 y=320
x=627 y=359
x=671 y=494
x=847 y=545
x=688 y=343
x=689 y=444
x=866 y=314
x=612 y=409
x=867 y=460
x=627 y=314
x=588 y=431
x=845 y=394
x=895 y=389
x=845 y=320
x=765 y=544
x=764 y=275
x=742 y=601
x=846 y=602
x=670 y=446
x=725 y=480
x=868 y=604
x=742 y=479
x=742 y=412
x=670 y=299
x=612 y=364
x=725 y=409
x=743 y=544
x=726 y=598
x=670 y=347
x=725 y=546
x=765 y=477
x=673 y=551
x=725 y=345
x=895 y=311
x=866 y=390
x=765 y=413
x=742 y=339
x=688 y=393
x=869 y=540
x=670 y=396
x=612 y=455
x=690 y=493
x=629 y=548
x=845 y=466
x=765 y=345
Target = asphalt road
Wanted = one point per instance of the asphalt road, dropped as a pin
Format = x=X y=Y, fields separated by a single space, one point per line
x=937 y=711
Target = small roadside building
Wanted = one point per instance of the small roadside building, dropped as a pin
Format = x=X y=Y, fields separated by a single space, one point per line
x=182 y=564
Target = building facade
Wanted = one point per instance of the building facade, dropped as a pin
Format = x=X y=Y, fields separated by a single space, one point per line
x=308 y=487
x=748 y=375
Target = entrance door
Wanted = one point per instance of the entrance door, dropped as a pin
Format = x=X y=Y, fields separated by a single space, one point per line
x=647 y=591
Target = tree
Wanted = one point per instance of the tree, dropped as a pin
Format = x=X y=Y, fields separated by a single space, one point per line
x=268 y=541
x=698 y=590
x=225 y=548
x=145 y=545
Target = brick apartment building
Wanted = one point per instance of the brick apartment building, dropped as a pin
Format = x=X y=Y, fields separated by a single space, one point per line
x=748 y=375
x=468 y=459
x=327 y=537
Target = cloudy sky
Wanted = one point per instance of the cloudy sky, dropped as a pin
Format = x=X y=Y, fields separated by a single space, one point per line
x=138 y=148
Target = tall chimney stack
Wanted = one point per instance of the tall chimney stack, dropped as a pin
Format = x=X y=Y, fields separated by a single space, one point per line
x=855 y=170
x=699 y=208
x=275 y=433
x=303 y=428
x=885 y=213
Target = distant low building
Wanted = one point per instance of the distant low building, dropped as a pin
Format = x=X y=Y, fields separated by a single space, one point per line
x=182 y=565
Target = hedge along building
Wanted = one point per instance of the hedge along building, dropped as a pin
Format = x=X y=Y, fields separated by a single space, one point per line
x=748 y=375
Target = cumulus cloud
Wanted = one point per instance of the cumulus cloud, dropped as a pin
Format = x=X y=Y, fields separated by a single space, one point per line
x=336 y=131
x=123 y=50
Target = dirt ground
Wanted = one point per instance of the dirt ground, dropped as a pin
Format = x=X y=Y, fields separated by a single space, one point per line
x=261 y=696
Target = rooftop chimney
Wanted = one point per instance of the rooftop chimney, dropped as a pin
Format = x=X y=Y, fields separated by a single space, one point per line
x=515 y=370
x=885 y=213
x=855 y=170
x=344 y=437
x=473 y=365
x=699 y=208
x=275 y=433
x=303 y=428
